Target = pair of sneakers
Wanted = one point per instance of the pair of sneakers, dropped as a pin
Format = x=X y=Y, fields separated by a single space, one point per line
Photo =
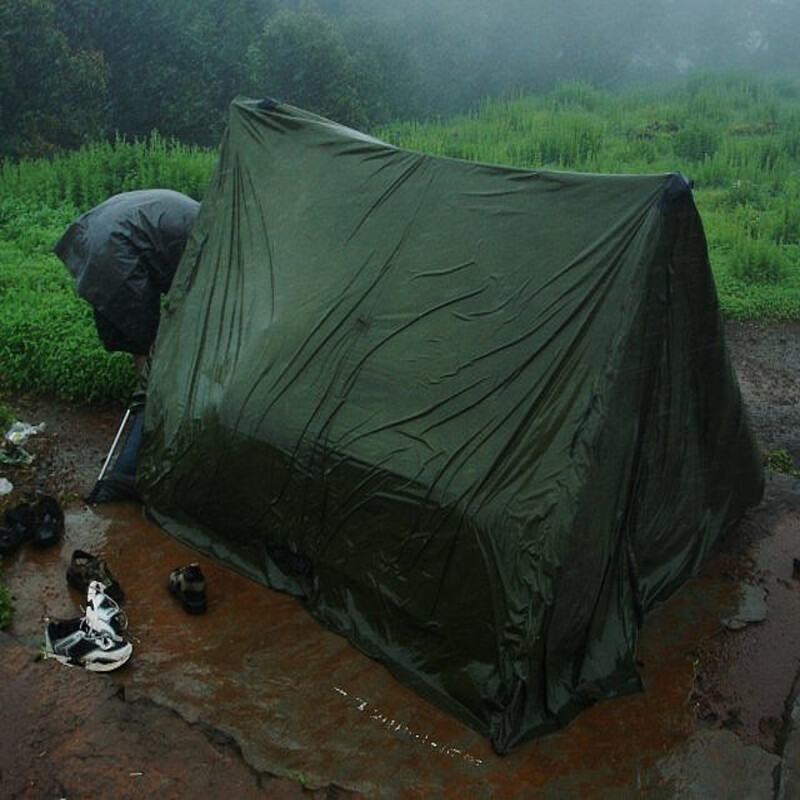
x=95 y=641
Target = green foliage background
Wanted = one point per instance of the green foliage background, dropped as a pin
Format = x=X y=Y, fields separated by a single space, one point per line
x=75 y=71
x=48 y=342
x=737 y=137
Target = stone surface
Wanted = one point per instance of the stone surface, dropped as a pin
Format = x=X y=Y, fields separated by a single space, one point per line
x=70 y=733
x=717 y=764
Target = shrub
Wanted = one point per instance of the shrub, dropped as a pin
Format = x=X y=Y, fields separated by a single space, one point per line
x=697 y=141
x=744 y=193
x=86 y=177
x=48 y=342
x=782 y=221
x=574 y=95
x=303 y=58
x=7 y=417
x=757 y=261
x=781 y=461
x=790 y=138
x=48 y=345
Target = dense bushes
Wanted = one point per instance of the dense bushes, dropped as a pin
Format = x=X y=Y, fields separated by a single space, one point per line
x=88 y=176
x=303 y=55
x=48 y=342
x=73 y=71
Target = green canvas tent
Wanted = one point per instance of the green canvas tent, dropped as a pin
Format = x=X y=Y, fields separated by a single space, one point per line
x=481 y=419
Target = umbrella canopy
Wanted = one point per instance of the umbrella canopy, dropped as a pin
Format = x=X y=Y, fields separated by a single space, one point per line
x=123 y=255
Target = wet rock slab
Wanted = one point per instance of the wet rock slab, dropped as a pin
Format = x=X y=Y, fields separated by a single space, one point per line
x=114 y=748
x=304 y=705
x=714 y=763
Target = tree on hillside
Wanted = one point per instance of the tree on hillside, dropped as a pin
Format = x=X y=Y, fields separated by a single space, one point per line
x=222 y=32
x=457 y=53
x=387 y=76
x=153 y=64
x=301 y=58
x=173 y=67
x=52 y=95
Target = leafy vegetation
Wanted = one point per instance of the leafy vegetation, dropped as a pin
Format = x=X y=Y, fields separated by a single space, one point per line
x=7 y=417
x=85 y=177
x=74 y=71
x=306 y=57
x=744 y=154
x=48 y=342
x=50 y=92
x=781 y=461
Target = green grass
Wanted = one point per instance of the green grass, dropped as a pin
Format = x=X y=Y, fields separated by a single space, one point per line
x=781 y=461
x=7 y=418
x=48 y=343
x=737 y=137
x=88 y=176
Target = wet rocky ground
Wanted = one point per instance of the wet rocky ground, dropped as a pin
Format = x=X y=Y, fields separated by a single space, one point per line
x=256 y=699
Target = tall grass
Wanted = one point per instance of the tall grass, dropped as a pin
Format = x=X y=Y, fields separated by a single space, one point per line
x=738 y=137
x=48 y=342
x=88 y=176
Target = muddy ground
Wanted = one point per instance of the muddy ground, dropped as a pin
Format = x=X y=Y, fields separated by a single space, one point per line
x=68 y=733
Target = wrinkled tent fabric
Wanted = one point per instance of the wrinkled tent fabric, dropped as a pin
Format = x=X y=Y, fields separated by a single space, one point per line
x=123 y=254
x=479 y=418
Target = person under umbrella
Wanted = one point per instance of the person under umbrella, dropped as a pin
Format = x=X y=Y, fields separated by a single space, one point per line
x=123 y=255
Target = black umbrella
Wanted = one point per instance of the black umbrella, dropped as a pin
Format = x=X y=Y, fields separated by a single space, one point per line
x=123 y=255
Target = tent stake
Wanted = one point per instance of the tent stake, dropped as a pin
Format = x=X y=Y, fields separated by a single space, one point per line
x=114 y=445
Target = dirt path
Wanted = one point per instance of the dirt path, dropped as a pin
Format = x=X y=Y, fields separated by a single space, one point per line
x=767 y=362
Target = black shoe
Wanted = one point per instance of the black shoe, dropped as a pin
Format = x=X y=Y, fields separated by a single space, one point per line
x=48 y=523
x=17 y=528
x=189 y=585
x=85 y=568
x=10 y=540
x=113 y=489
x=76 y=643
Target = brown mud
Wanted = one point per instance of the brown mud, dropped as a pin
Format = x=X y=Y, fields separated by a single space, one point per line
x=255 y=698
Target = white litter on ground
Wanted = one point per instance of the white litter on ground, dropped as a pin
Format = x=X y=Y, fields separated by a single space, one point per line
x=19 y=432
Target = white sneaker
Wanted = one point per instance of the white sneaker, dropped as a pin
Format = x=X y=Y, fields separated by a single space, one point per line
x=103 y=614
x=75 y=643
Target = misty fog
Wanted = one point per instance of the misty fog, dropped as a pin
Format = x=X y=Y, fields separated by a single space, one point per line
x=76 y=70
x=470 y=45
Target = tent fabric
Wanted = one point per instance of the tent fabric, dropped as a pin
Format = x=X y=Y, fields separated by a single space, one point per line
x=123 y=254
x=480 y=418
